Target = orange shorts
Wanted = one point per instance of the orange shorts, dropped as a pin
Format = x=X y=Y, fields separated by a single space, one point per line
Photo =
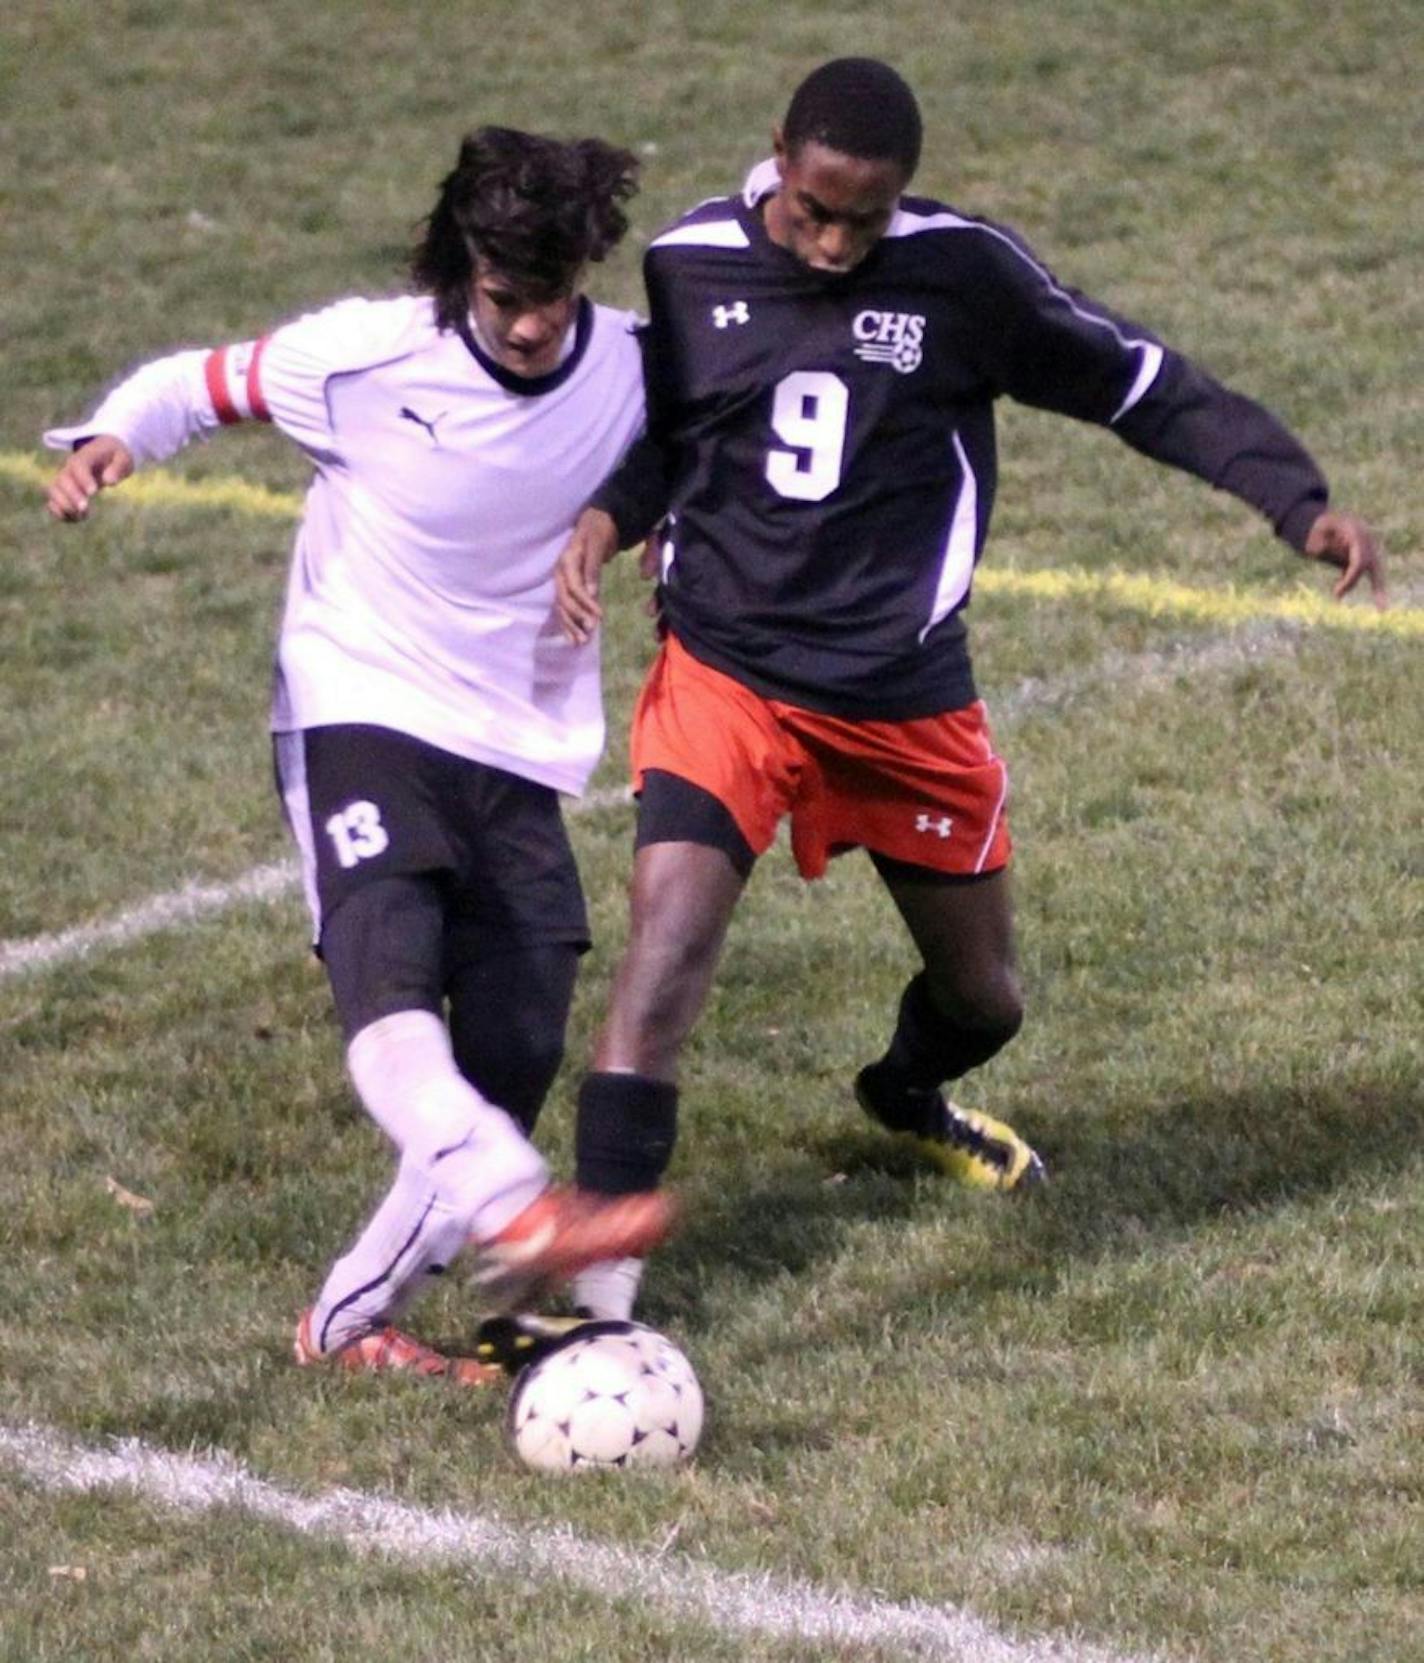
x=930 y=791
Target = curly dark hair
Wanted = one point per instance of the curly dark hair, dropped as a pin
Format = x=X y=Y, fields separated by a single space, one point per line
x=535 y=209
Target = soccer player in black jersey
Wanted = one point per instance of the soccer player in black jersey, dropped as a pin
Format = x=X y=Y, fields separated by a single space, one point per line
x=823 y=353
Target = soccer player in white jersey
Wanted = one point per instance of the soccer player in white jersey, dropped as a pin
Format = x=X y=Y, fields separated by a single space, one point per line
x=427 y=709
x=824 y=354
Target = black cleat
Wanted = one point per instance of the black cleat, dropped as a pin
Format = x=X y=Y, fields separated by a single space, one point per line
x=972 y=1148
x=513 y=1342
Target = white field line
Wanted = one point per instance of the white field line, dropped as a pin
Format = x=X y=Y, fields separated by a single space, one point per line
x=185 y=905
x=684 y=1590
x=196 y=899
x=1215 y=655
x=759 y=1606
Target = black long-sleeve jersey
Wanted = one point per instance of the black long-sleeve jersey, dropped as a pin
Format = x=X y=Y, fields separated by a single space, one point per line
x=824 y=447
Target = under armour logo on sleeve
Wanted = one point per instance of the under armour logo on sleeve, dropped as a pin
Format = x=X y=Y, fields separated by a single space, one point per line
x=737 y=312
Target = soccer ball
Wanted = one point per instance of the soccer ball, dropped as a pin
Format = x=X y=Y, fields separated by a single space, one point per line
x=613 y=1394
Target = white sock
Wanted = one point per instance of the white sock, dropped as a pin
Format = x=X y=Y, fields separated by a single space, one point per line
x=608 y=1290
x=410 y=1236
x=466 y=1170
x=477 y=1157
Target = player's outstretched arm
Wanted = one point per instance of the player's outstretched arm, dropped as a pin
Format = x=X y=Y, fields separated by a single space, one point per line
x=591 y=545
x=97 y=464
x=1344 y=540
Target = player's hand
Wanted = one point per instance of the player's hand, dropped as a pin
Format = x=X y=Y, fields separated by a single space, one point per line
x=1344 y=540
x=97 y=464
x=592 y=544
x=650 y=568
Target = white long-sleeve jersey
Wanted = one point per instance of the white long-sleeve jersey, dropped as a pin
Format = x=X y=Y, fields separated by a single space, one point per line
x=421 y=589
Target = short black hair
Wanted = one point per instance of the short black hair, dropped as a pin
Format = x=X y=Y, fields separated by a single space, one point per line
x=860 y=107
x=534 y=209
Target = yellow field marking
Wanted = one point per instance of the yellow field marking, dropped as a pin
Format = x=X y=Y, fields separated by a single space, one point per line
x=156 y=488
x=1161 y=597
x=1155 y=596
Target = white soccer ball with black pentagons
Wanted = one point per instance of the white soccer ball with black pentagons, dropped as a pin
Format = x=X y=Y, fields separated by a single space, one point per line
x=613 y=1394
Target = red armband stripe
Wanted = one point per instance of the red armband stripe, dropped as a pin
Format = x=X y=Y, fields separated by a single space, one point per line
x=215 y=373
x=258 y=403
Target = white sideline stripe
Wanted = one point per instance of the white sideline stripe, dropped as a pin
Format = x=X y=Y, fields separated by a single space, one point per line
x=1263 y=639
x=685 y=1590
x=187 y=904
x=197 y=900
x=161 y=912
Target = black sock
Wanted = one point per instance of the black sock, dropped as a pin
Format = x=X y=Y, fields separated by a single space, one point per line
x=928 y=1048
x=627 y=1125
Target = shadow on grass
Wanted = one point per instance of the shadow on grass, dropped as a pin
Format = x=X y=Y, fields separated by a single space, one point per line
x=1112 y=1190
x=1230 y=1154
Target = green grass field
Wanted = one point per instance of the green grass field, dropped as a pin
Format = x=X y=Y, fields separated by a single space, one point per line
x=1170 y=1406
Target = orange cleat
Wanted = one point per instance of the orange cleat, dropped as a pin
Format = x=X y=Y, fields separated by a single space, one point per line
x=563 y=1230
x=383 y=1350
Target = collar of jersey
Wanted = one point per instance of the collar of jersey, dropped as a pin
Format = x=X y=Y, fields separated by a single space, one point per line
x=533 y=385
x=763 y=181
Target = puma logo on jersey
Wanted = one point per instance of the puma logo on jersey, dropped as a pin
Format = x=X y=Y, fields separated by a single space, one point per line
x=409 y=415
x=941 y=825
x=894 y=338
x=737 y=312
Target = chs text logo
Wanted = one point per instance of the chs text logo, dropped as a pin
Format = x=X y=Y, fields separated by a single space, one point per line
x=894 y=338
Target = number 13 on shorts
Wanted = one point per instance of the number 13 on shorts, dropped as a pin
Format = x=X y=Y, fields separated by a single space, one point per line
x=356 y=833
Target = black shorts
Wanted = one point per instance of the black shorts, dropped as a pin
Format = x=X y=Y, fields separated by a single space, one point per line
x=367 y=802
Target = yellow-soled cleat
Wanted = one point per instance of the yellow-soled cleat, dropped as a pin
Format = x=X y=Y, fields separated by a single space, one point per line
x=972 y=1148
